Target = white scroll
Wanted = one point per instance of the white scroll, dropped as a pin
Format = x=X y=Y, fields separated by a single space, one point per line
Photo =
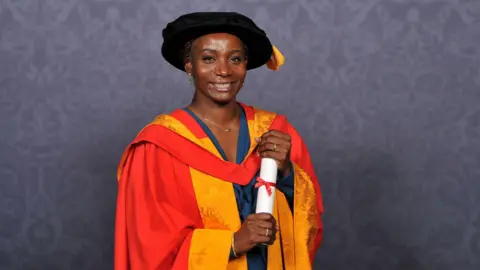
x=266 y=183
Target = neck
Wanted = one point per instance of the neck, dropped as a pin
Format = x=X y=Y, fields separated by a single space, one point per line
x=222 y=114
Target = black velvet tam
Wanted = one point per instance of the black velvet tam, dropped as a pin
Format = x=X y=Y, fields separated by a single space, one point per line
x=193 y=25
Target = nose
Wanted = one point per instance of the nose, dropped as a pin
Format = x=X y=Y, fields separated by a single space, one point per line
x=222 y=68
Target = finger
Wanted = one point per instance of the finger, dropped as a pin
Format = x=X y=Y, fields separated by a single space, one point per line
x=266 y=136
x=266 y=147
x=264 y=216
x=273 y=237
x=263 y=241
x=272 y=240
x=274 y=147
x=266 y=240
x=270 y=223
x=271 y=141
x=265 y=232
x=272 y=231
x=275 y=140
x=264 y=224
x=277 y=133
x=279 y=157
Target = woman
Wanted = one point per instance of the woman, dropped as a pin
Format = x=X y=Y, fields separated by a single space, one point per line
x=187 y=183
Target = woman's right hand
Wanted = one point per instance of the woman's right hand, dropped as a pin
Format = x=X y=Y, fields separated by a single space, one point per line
x=254 y=231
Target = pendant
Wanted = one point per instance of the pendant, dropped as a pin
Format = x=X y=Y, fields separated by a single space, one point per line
x=227 y=130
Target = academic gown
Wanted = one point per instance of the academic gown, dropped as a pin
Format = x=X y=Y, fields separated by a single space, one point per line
x=179 y=201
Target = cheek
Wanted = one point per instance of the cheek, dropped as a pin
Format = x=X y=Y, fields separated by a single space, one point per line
x=239 y=71
x=203 y=71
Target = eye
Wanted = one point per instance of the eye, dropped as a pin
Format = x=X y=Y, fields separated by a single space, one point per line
x=208 y=58
x=237 y=59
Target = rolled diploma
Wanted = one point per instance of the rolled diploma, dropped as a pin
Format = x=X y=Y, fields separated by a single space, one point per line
x=268 y=172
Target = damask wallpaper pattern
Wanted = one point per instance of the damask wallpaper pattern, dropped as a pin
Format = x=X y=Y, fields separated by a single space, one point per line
x=385 y=92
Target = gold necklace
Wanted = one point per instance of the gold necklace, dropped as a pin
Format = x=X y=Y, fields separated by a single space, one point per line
x=215 y=124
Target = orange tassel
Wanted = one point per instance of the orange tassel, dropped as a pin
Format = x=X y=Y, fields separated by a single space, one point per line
x=276 y=60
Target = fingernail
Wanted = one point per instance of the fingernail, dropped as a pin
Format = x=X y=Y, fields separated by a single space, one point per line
x=258 y=139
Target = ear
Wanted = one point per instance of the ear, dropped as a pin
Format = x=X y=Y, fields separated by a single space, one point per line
x=188 y=67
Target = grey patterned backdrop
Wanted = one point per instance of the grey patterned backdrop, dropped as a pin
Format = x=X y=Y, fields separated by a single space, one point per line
x=386 y=94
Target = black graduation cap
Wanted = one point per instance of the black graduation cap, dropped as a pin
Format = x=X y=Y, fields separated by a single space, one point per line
x=193 y=25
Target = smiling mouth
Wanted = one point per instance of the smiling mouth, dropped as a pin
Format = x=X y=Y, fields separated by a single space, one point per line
x=222 y=87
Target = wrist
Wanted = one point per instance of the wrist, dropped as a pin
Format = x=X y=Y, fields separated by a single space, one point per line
x=233 y=248
x=239 y=245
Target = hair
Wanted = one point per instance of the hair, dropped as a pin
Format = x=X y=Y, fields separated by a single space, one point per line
x=187 y=50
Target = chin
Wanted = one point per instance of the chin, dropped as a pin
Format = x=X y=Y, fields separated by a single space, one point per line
x=223 y=101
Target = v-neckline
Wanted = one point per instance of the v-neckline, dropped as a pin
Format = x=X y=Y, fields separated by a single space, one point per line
x=243 y=140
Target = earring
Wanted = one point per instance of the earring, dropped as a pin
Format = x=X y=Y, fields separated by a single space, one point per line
x=190 y=78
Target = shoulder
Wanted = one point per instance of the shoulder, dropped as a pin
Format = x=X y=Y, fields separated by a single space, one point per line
x=275 y=121
x=257 y=110
x=161 y=123
x=262 y=115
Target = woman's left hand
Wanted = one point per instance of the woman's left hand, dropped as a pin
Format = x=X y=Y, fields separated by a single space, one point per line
x=276 y=145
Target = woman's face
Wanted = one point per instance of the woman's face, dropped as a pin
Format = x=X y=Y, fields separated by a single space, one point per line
x=218 y=64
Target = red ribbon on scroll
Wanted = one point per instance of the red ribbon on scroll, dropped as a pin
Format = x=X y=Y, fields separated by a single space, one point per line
x=268 y=185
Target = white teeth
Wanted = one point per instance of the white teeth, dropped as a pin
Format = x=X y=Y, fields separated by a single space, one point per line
x=223 y=85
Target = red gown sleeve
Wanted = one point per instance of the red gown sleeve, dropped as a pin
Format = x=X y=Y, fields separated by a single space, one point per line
x=156 y=211
x=300 y=156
